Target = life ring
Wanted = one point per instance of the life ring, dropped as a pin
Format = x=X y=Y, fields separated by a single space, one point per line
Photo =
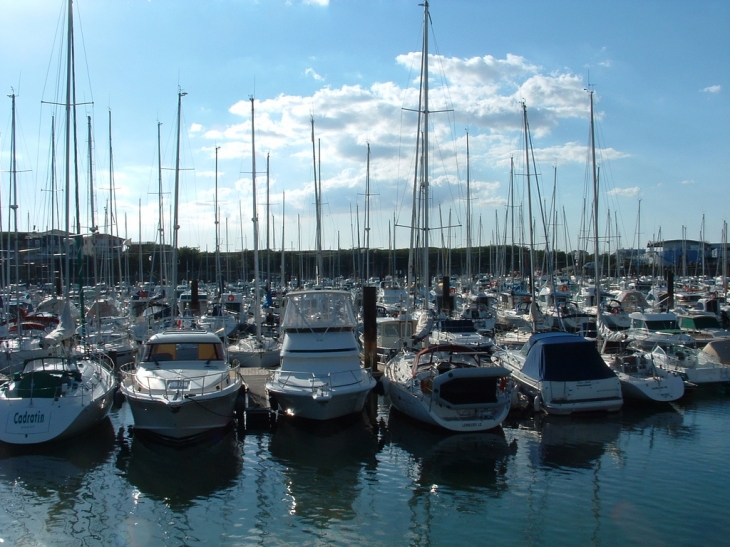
x=614 y=311
x=231 y=298
x=503 y=384
x=452 y=291
x=563 y=288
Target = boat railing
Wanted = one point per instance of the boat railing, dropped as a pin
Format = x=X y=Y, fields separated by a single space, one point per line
x=190 y=385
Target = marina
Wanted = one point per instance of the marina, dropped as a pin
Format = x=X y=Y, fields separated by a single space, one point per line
x=425 y=393
x=628 y=478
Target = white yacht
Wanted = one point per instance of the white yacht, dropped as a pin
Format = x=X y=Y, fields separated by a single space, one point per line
x=648 y=330
x=320 y=376
x=562 y=373
x=183 y=386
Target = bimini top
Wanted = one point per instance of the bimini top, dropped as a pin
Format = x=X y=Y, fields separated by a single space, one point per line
x=317 y=309
x=564 y=357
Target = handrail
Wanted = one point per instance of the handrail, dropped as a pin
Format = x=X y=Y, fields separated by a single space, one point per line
x=223 y=380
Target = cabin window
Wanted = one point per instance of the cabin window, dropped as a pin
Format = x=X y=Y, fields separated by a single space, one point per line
x=184 y=352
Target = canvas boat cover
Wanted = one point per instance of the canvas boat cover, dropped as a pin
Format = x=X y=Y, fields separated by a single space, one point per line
x=719 y=349
x=564 y=357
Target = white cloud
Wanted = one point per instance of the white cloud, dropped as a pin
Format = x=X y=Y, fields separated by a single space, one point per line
x=712 y=89
x=625 y=192
x=687 y=182
x=311 y=72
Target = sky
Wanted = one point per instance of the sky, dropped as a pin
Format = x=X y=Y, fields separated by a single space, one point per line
x=348 y=70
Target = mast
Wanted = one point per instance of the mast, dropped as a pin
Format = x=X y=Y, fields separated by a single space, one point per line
x=595 y=218
x=317 y=201
x=531 y=272
x=14 y=196
x=69 y=102
x=283 y=244
x=175 y=222
x=468 y=216
x=160 y=213
x=424 y=83
x=367 y=217
x=255 y=220
x=218 y=272
x=94 y=227
x=268 y=218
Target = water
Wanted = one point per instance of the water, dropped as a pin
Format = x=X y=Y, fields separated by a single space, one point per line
x=645 y=476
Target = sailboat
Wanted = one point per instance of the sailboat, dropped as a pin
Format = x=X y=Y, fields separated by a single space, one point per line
x=255 y=350
x=449 y=386
x=59 y=396
x=183 y=386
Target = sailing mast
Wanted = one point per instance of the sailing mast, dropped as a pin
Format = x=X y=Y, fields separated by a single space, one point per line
x=367 y=218
x=424 y=179
x=218 y=271
x=175 y=222
x=317 y=206
x=595 y=221
x=14 y=196
x=160 y=213
x=94 y=227
x=468 y=217
x=255 y=220
x=531 y=272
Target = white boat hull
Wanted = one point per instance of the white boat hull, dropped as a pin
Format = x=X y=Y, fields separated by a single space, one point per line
x=313 y=399
x=409 y=403
x=33 y=420
x=652 y=388
x=186 y=417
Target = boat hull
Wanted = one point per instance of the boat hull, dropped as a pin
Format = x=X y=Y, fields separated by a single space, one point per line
x=652 y=389
x=41 y=419
x=185 y=418
x=410 y=404
x=313 y=399
x=564 y=398
x=467 y=398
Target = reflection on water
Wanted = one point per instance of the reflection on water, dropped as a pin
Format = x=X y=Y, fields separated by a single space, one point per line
x=322 y=464
x=47 y=469
x=179 y=475
x=570 y=442
x=610 y=480
x=463 y=461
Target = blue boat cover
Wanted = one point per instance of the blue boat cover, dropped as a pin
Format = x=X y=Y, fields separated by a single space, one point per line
x=564 y=357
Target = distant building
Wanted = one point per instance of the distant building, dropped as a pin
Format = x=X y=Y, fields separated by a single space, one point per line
x=679 y=253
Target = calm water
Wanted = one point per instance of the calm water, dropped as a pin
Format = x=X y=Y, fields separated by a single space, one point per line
x=644 y=476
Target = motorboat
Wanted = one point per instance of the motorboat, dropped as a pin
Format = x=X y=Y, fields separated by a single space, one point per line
x=696 y=366
x=451 y=386
x=650 y=329
x=642 y=381
x=562 y=373
x=183 y=386
x=320 y=376
x=460 y=332
x=54 y=398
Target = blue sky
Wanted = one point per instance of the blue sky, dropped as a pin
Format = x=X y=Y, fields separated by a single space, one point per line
x=659 y=70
